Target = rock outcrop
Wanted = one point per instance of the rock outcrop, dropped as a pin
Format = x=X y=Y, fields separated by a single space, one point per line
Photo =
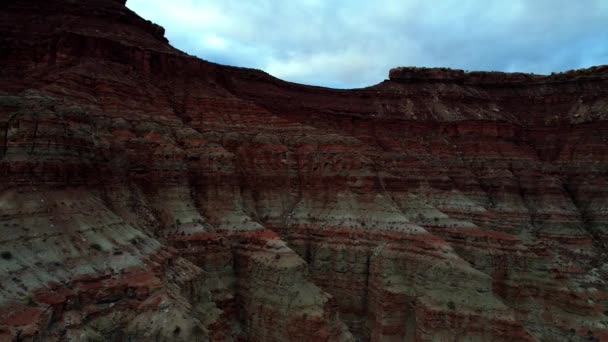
x=150 y=195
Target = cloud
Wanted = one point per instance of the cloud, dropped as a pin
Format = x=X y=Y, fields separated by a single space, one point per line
x=354 y=43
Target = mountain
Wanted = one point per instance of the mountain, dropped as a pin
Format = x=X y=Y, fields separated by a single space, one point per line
x=146 y=194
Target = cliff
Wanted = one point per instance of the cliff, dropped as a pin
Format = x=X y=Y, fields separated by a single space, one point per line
x=150 y=195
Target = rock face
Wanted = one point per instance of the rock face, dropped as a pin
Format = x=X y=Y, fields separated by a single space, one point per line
x=150 y=195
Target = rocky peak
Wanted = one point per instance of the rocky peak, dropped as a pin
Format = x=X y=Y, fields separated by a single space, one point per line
x=416 y=74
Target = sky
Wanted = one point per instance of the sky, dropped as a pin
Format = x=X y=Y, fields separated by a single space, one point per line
x=354 y=43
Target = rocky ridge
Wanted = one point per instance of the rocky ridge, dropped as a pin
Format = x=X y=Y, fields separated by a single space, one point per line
x=147 y=194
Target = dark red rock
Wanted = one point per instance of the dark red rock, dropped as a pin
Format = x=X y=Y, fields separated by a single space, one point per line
x=147 y=194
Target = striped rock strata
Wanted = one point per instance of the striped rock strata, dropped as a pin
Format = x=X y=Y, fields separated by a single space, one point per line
x=150 y=195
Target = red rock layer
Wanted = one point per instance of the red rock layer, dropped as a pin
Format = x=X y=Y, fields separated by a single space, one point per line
x=147 y=194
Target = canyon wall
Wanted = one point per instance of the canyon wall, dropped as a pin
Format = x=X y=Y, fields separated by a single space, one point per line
x=150 y=195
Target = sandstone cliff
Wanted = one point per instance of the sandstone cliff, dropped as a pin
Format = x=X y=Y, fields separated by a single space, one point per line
x=150 y=195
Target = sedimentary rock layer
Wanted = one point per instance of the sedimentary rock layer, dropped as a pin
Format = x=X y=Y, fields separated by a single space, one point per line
x=150 y=195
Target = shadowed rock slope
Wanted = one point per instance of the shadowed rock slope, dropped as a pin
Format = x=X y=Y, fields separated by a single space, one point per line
x=146 y=194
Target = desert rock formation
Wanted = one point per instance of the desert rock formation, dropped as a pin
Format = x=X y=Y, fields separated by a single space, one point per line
x=148 y=195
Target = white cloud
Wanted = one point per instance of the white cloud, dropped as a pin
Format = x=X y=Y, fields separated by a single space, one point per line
x=347 y=66
x=354 y=43
x=214 y=42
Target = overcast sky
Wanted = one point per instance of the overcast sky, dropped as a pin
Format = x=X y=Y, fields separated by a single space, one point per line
x=353 y=43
